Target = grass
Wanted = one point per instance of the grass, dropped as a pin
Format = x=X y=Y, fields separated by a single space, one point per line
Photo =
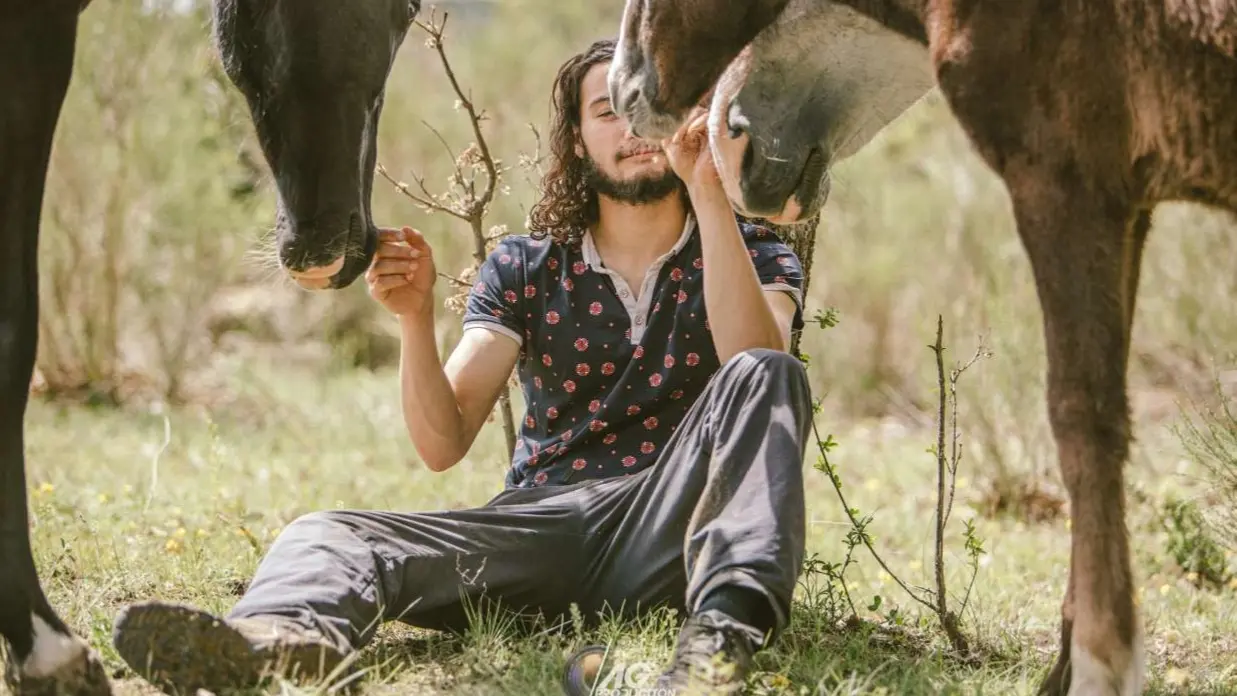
x=108 y=531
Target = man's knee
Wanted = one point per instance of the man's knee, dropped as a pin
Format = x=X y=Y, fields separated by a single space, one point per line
x=768 y=363
x=765 y=359
x=316 y=527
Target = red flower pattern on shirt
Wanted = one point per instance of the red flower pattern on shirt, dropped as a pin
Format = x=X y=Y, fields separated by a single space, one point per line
x=586 y=330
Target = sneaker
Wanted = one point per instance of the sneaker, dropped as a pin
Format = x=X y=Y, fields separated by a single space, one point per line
x=181 y=649
x=713 y=656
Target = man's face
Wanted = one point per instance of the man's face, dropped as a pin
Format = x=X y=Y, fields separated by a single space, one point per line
x=620 y=165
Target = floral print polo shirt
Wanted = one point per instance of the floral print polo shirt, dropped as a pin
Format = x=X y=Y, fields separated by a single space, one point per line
x=607 y=373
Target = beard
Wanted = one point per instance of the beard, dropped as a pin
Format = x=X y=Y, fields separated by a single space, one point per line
x=638 y=190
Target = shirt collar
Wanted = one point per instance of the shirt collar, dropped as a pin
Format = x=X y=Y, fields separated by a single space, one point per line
x=593 y=259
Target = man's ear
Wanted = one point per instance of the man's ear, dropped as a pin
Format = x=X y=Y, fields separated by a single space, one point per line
x=579 y=146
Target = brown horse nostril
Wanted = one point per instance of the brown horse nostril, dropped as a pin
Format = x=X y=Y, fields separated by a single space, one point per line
x=629 y=100
x=736 y=123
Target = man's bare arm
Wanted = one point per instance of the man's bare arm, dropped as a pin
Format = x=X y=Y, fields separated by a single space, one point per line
x=783 y=307
x=742 y=313
x=446 y=405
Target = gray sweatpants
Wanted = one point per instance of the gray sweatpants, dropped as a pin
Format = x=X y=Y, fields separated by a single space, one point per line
x=722 y=505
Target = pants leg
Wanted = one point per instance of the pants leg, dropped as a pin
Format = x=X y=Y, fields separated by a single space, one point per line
x=722 y=506
x=724 y=503
x=345 y=572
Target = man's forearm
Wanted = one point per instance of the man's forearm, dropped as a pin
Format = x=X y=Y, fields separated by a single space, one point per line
x=431 y=411
x=739 y=313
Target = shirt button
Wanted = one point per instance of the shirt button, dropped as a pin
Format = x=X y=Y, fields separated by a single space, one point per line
x=623 y=292
x=639 y=321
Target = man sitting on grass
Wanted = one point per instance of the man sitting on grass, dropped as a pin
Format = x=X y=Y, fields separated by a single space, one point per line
x=659 y=462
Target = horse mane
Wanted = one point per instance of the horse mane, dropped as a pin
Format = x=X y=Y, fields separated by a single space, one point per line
x=901 y=16
x=1209 y=22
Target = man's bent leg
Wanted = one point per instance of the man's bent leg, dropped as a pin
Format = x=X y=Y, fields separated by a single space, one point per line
x=729 y=488
x=332 y=577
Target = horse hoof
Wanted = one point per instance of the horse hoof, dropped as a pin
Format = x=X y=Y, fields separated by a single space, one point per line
x=83 y=675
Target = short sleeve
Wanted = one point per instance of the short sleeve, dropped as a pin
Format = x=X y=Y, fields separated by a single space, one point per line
x=494 y=300
x=777 y=265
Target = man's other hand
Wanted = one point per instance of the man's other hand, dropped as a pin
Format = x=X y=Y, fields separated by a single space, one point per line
x=689 y=153
x=401 y=277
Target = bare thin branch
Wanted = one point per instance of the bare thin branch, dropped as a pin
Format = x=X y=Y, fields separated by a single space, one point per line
x=426 y=201
x=474 y=117
x=457 y=281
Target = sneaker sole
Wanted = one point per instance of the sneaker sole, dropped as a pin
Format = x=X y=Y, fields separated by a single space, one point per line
x=181 y=650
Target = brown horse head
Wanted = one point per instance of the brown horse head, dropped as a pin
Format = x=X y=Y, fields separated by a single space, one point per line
x=670 y=52
x=314 y=73
x=810 y=90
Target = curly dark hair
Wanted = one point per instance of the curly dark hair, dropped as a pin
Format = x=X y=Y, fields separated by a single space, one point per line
x=568 y=204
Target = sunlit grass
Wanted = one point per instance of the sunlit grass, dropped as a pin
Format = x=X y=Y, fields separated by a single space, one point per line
x=120 y=517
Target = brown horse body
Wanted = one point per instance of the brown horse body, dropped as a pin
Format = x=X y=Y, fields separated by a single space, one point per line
x=1092 y=112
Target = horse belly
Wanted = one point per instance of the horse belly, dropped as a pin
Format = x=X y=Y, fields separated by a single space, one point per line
x=1183 y=97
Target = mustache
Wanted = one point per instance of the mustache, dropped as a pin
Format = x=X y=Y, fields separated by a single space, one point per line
x=637 y=149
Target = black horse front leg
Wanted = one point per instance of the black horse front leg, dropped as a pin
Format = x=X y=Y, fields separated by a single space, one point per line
x=36 y=61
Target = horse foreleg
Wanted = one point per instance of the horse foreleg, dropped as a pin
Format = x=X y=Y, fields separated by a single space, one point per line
x=36 y=59
x=1058 y=680
x=1085 y=250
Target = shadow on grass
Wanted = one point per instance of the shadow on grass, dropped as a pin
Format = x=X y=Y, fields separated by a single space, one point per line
x=819 y=655
x=816 y=655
